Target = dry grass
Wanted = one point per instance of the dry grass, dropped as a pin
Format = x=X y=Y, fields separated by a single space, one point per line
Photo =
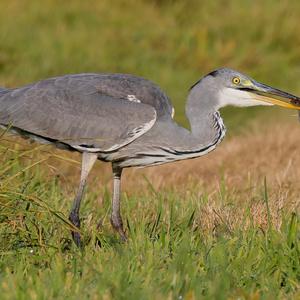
x=236 y=171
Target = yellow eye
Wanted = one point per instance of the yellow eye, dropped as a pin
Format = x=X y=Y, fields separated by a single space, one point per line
x=236 y=80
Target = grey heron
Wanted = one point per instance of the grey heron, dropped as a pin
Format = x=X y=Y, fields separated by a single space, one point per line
x=128 y=120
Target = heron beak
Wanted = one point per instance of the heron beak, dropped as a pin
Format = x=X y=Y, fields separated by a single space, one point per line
x=272 y=95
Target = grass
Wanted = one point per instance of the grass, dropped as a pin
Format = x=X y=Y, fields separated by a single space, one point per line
x=225 y=226
x=216 y=239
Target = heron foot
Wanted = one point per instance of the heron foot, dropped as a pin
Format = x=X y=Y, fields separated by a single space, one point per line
x=74 y=218
x=117 y=224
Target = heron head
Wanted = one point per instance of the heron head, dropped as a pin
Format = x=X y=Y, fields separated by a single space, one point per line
x=234 y=88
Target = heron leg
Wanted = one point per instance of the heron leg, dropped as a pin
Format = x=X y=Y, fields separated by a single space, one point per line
x=88 y=160
x=116 y=219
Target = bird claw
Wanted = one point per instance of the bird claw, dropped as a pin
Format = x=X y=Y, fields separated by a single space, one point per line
x=123 y=236
x=117 y=225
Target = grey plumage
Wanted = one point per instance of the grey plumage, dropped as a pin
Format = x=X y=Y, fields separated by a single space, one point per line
x=84 y=110
x=127 y=120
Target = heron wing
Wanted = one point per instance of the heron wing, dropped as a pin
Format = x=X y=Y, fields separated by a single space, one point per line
x=134 y=88
x=121 y=86
x=76 y=113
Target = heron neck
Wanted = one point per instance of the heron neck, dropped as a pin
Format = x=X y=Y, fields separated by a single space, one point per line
x=203 y=116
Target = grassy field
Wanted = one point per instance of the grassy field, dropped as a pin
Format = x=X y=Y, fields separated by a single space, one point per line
x=225 y=226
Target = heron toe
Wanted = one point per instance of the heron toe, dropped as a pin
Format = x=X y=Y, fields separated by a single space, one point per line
x=117 y=225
